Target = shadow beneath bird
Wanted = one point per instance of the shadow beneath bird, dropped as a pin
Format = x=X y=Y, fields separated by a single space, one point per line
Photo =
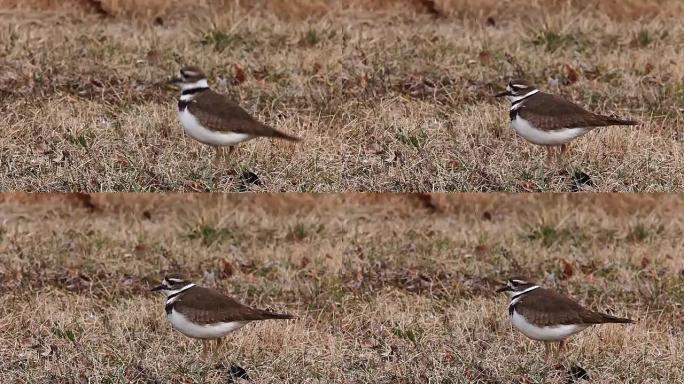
x=248 y=179
x=580 y=181
x=234 y=373
x=576 y=373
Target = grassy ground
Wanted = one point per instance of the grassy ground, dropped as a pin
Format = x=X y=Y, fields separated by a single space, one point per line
x=385 y=97
x=387 y=288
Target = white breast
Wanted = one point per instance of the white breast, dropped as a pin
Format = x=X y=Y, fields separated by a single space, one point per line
x=552 y=333
x=198 y=132
x=209 y=331
x=540 y=137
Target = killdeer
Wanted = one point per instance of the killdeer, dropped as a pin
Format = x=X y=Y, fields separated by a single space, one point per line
x=544 y=315
x=206 y=314
x=212 y=118
x=549 y=120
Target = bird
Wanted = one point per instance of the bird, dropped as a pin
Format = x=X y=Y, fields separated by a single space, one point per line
x=544 y=315
x=549 y=120
x=212 y=118
x=206 y=314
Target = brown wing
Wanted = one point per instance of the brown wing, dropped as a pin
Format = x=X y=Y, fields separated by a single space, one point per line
x=208 y=307
x=546 y=307
x=550 y=112
x=218 y=113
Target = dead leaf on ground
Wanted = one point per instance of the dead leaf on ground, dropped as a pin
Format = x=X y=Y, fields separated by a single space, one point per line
x=239 y=76
x=648 y=68
x=195 y=186
x=567 y=268
x=141 y=249
x=485 y=57
x=227 y=269
x=418 y=86
x=529 y=186
x=570 y=74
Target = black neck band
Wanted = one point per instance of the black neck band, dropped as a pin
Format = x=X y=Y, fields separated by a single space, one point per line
x=513 y=113
x=513 y=104
x=192 y=91
x=182 y=104
x=511 y=309
x=171 y=296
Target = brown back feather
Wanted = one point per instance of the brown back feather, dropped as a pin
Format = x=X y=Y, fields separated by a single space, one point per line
x=550 y=112
x=208 y=307
x=218 y=113
x=546 y=307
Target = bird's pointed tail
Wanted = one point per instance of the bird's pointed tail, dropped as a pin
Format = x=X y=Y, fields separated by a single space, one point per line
x=613 y=319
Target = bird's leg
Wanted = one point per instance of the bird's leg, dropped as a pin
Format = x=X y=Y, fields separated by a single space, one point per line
x=219 y=341
x=549 y=154
x=563 y=149
x=217 y=154
x=205 y=348
x=561 y=346
x=231 y=151
x=547 y=350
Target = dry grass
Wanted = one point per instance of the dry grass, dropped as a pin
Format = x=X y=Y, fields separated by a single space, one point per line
x=388 y=288
x=386 y=99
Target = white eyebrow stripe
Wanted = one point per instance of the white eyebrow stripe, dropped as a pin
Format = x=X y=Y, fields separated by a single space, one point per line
x=519 y=85
x=532 y=288
x=528 y=94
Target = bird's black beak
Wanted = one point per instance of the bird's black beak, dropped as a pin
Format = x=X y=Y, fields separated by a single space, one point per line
x=174 y=80
x=504 y=289
x=157 y=288
x=501 y=94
